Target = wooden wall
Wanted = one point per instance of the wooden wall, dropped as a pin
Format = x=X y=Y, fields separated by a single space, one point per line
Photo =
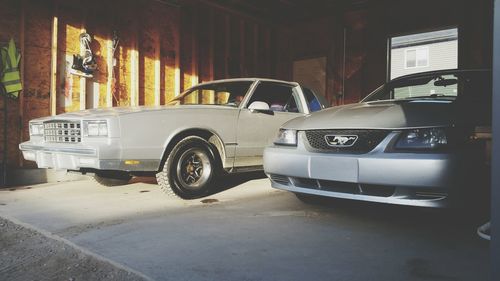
x=164 y=48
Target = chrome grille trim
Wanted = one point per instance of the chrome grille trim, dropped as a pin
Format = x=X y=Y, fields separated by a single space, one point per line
x=62 y=131
x=366 y=140
x=280 y=179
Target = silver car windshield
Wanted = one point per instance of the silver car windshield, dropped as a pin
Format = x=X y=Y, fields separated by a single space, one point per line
x=433 y=87
x=223 y=93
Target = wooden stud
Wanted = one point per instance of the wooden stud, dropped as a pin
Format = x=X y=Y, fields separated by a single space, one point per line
x=53 y=68
x=256 y=49
x=243 y=71
x=227 y=48
x=157 y=70
x=83 y=81
x=109 y=63
x=134 y=76
x=267 y=45
x=194 y=50
x=211 y=51
x=177 y=70
x=21 y=67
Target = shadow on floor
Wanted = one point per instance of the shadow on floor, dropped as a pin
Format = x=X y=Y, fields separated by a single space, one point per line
x=229 y=181
x=461 y=220
x=224 y=183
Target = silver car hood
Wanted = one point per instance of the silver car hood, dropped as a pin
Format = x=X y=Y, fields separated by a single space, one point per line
x=379 y=115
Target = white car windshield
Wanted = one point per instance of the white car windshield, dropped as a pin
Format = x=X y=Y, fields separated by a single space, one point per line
x=223 y=93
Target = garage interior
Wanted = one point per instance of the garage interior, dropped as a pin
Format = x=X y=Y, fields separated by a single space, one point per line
x=167 y=46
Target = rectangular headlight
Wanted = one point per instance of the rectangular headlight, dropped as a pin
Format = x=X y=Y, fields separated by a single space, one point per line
x=286 y=137
x=423 y=139
x=95 y=128
x=36 y=129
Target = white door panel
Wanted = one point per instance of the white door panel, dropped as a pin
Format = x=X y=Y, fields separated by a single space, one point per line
x=255 y=132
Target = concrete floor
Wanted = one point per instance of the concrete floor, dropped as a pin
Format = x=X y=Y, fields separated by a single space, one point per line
x=252 y=232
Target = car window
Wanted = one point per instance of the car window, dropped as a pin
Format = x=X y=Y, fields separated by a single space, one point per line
x=279 y=97
x=435 y=86
x=314 y=102
x=225 y=93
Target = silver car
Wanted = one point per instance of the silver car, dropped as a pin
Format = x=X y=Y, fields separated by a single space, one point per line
x=220 y=126
x=406 y=143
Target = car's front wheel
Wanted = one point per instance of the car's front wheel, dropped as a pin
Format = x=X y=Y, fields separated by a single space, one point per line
x=189 y=171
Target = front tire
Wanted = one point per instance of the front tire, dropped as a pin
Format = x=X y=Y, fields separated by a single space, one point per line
x=189 y=170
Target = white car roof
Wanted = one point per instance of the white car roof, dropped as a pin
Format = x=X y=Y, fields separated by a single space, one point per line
x=247 y=79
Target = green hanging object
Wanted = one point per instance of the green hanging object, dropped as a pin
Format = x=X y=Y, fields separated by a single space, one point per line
x=11 y=78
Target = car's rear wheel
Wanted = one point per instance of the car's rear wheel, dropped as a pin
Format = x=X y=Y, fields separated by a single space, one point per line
x=189 y=171
x=111 y=178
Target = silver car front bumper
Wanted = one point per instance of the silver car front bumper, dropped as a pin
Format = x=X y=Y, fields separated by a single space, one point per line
x=417 y=179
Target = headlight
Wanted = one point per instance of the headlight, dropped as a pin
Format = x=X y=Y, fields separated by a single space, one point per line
x=430 y=138
x=286 y=137
x=36 y=129
x=95 y=128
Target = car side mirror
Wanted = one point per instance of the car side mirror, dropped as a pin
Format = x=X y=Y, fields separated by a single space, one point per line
x=259 y=107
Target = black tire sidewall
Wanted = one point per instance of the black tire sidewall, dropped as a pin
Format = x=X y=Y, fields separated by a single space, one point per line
x=172 y=164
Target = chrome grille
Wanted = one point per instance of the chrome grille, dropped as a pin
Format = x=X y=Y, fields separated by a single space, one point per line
x=366 y=142
x=345 y=187
x=62 y=131
x=280 y=179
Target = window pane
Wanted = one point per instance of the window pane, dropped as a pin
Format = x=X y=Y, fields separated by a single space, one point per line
x=279 y=97
x=411 y=57
x=422 y=57
x=230 y=94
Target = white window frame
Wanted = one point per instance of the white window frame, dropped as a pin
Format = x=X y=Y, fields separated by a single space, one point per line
x=426 y=48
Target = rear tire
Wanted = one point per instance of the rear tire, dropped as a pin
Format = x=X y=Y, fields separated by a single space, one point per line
x=109 y=179
x=190 y=169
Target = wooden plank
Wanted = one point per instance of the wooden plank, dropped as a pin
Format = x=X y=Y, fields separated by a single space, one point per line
x=157 y=71
x=169 y=40
x=149 y=54
x=53 y=68
x=211 y=46
x=194 y=50
x=219 y=39
x=243 y=71
x=227 y=53
x=134 y=75
x=177 y=75
x=83 y=81
x=21 y=68
x=256 y=48
x=109 y=64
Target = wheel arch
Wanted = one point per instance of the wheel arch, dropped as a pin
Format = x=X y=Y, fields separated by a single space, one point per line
x=207 y=134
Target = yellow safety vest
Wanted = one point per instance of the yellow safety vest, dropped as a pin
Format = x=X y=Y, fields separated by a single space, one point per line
x=11 y=78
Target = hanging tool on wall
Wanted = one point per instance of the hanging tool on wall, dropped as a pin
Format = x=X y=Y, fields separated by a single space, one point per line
x=11 y=78
x=10 y=85
x=84 y=65
x=114 y=46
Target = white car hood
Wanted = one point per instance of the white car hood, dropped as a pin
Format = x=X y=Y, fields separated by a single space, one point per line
x=119 y=111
